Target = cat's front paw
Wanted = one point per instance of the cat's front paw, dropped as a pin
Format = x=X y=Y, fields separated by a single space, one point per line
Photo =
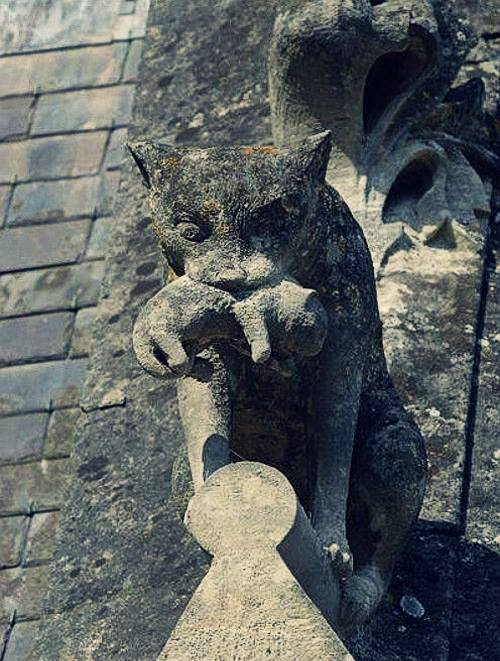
x=159 y=353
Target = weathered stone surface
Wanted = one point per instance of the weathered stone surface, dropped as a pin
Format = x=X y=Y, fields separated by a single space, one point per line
x=83 y=110
x=41 y=537
x=133 y=60
x=60 y=433
x=129 y=605
x=390 y=133
x=41 y=72
x=5 y=195
x=57 y=70
x=38 y=485
x=116 y=152
x=357 y=431
x=83 y=332
x=43 y=290
x=21 y=641
x=425 y=572
x=127 y=7
x=394 y=120
x=12 y=535
x=107 y=192
x=53 y=200
x=484 y=62
x=30 y=247
x=474 y=634
x=4 y=633
x=41 y=385
x=21 y=437
x=484 y=15
x=14 y=116
x=23 y=590
x=99 y=239
x=52 y=157
x=132 y=24
x=134 y=525
x=484 y=59
x=150 y=566
x=428 y=298
x=7 y=586
x=55 y=24
x=65 y=199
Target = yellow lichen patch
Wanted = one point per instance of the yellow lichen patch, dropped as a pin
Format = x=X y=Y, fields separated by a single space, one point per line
x=157 y=230
x=171 y=162
x=211 y=206
x=221 y=229
x=261 y=149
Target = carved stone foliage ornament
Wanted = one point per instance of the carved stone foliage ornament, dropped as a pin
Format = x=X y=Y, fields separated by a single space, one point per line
x=407 y=146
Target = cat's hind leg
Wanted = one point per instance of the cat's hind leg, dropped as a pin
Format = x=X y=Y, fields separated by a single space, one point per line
x=388 y=476
x=335 y=401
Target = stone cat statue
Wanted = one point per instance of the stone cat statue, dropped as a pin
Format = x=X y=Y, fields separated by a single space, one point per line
x=273 y=329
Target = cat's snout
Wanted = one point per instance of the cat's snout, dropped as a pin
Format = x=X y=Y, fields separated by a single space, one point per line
x=237 y=274
x=232 y=278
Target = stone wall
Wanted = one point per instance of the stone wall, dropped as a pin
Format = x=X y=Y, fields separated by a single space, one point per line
x=67 y=78
x=125 y=565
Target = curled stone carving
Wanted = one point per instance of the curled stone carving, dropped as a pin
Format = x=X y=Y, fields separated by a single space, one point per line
x=272 y=327
x=379 y=76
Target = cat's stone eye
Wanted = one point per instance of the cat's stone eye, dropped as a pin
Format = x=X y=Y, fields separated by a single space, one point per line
x=262 y=229
x=270 y=219
x=191 y=231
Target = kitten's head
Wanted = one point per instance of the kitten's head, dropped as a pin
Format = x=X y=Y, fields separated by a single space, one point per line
x=231 y=216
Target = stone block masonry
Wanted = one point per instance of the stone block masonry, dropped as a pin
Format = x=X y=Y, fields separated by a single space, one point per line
x=63 y=199
x=29 y=247
x=40 y=337
x=53 y=157
x=51 y=289
x=15 y=116
x=83 y=110
x=67 y=72
x=119 y=512
x=62 y=69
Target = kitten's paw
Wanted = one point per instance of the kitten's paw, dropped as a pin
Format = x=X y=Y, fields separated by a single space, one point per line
x=341 y=558
x=361 y=594
x=159 y=353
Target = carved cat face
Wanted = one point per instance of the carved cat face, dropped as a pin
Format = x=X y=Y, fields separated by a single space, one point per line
x=231 y=217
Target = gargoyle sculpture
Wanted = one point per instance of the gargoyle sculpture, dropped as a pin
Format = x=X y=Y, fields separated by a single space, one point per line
x=273 y=330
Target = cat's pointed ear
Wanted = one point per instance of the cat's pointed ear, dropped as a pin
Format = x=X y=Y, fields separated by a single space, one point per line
x=314 y=154
x=141 y=152
x=152 y=159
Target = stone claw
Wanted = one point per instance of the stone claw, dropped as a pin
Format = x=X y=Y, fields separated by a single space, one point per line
x=341 y=560
x=253 y=323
